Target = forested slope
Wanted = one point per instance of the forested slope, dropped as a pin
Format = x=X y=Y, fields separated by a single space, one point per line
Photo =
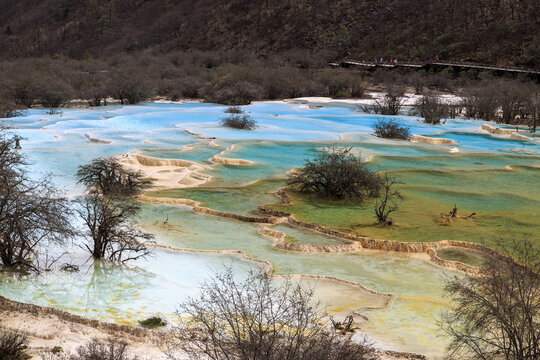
x=494 y=31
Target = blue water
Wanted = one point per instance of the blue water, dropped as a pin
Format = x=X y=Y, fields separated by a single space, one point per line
x=287 y=135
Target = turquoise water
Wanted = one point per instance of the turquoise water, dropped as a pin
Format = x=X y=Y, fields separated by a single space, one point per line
x=287 y=135
x=492 y=143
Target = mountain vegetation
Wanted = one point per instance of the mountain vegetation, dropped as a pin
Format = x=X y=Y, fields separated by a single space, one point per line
x=489 y=31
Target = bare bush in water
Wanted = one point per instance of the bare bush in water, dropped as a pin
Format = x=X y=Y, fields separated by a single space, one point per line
x=111 y=228
x=391 y=129
x=239 y=121
x=256 y=319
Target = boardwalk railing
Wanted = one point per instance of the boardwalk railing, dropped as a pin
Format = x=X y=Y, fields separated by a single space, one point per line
x=461 y=64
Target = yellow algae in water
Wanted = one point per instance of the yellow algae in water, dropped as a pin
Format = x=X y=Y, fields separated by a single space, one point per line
x=408 y=325
x=498 y=204
x=342 y=298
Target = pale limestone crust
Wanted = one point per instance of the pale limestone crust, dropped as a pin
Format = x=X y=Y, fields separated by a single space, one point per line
x=498 y=131
x=167 y=173
x=428 y=140
x=96 y=140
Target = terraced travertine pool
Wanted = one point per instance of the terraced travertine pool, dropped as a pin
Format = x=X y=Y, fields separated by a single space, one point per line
x=491 y=175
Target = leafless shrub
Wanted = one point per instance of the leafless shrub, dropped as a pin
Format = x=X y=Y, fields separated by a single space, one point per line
x=481 y=102
x=497 y=312
x=417 y=81
x=337 y=174
x=503 y=101
x=391 y=129
x=97 y=350
x=258 y=320
x=13 y=346
x=358 y=87
x=22 y=84
x=234 y=110
x=387 y=201
x=92 y=88
x=241 y=93
x=534 y=110
x=512 y=97
x=239 y=121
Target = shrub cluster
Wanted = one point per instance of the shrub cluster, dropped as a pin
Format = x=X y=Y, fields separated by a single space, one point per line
x=152 y=322
x=257 y=319
x=503 y=101
x=13 y=346
x=239 y=121
x=238 y=77
x=432 y=109
x=232 y=78
x=391 y=129
x=337 y=174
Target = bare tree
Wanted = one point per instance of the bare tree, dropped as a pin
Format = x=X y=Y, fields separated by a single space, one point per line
x=53 y=92
x=386 y=203
x=107 y=176
x=129 y=85
x=97 y=350
x=112 y=230
x=237 y=93
x=481 y=102
x=8 y=109
x=512 y=97
x=431 y=108
x=258 y=320
x=391 y=102
x=497 y=312
x=31 y=212
x=338 y=174
x=534 y=110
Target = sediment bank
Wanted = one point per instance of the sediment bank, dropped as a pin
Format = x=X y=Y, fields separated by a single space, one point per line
x=96 y=140
x=166 y=173
x=355 y=243
x=429 y=140
x=513 y=133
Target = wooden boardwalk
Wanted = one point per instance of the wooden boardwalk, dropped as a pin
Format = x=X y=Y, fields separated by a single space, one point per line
x=426 y=65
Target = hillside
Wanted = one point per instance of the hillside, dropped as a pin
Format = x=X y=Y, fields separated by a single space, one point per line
x=495 y=31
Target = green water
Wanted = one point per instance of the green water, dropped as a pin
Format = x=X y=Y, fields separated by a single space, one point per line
x=469 y=257
x=494 y=177
x=506 y=202
x=296 y=235
x=240 y=200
